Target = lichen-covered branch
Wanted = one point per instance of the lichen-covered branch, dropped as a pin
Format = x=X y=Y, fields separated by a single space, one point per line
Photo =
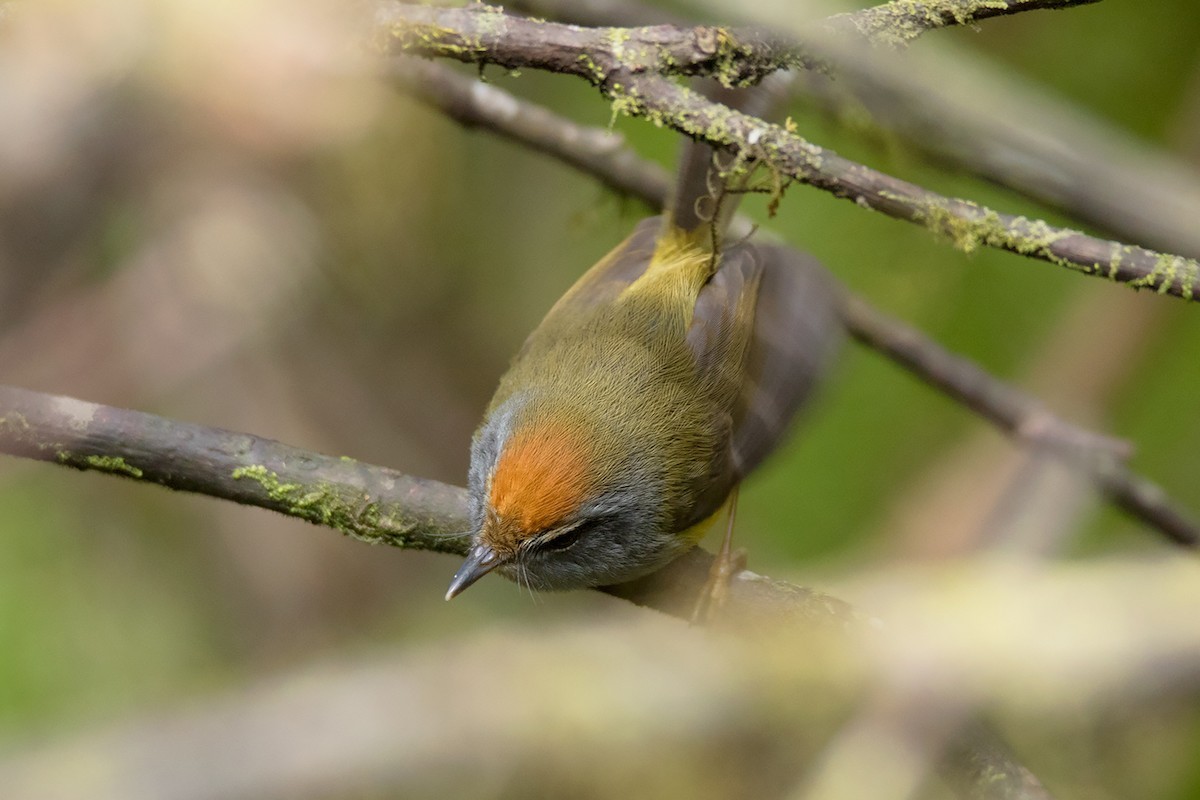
x=892 y=24
x=897 y=23
x=735 y=56
x=483 y=34
x=966 y=224
x=627 y=71
x=1011 y=136
x=374 y=504
x=1011 y=410
x=379 y=505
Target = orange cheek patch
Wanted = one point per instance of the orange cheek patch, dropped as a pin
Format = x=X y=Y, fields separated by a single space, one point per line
x=541 y=477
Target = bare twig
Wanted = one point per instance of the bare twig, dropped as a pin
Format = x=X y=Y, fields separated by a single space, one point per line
x=1010 y=409
x=474 y=103
x=625 y=66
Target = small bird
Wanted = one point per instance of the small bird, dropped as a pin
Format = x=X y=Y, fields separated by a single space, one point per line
x=650 y=390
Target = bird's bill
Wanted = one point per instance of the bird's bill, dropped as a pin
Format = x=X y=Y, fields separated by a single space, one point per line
x=480 y=561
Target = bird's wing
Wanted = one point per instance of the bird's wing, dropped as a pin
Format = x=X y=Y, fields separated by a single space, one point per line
x=610 y=276
x=797 y=329
x=763 y=333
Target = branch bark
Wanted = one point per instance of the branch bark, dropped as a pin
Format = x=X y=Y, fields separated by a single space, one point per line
x=628 y=66
x=898 y=24
x=370 y=503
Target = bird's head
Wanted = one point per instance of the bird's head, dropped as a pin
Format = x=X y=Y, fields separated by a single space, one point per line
x=556 y=502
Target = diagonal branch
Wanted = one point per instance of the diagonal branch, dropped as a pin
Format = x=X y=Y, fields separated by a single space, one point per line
x=379 y=505
x=897 y=24
x=474 y=103
x=627 y=71
x=736 y=56
x=1017 y=137
x=370 y=503
x=602 y=155
x=484 y=34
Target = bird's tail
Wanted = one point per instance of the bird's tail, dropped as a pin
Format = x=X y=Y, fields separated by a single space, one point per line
x=700 y=206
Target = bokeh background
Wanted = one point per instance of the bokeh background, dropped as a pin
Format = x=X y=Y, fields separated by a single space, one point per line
x=215 y=213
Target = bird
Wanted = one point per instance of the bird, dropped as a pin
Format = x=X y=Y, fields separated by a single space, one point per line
x=650 y=390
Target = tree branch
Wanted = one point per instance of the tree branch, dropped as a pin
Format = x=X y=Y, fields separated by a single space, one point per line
x=1015 y=137
x=483 y=34
x=517 y=708
x=474 y=103
x=599 y=154
x=898 y=24
x=890 y=24
x=625 y=65
x=373 y=504
x=382 y=506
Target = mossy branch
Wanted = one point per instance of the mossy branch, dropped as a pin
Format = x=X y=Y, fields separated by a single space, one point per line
x=630 y=65
x=370 y=503
x=1010 y=136
x=899 y=22
x=602 y=155
x=382 y=506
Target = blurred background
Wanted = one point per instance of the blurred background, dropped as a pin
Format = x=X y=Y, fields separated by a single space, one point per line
x=213 y=212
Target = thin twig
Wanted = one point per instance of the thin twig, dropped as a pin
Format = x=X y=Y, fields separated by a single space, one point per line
x=625 y=64
x=593 y=151
x=1006 y=407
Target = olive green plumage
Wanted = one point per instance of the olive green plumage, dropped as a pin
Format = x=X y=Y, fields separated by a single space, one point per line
x=662 y=377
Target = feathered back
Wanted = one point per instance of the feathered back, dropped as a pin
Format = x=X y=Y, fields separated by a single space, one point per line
x=762 y=332
x=708 y=354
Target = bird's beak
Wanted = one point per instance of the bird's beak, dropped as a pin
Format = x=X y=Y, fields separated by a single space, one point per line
x=480 y=561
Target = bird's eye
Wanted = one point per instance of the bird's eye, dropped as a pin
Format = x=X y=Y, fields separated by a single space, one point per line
x=566 y=539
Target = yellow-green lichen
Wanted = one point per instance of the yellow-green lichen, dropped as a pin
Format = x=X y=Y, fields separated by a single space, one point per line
x=112 y=464
x=1166 y=272
x=1190 y=277
x=14 y=422
x=732 y=63
x=899 y=22
x=1114 y=262
x=964 y=233
x=592 y=70
x=635 y=54
x=628 y=105
x=617 y=39
x=1169 y=274
x=436 y=40
x=321 y=503
x=983 y=226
